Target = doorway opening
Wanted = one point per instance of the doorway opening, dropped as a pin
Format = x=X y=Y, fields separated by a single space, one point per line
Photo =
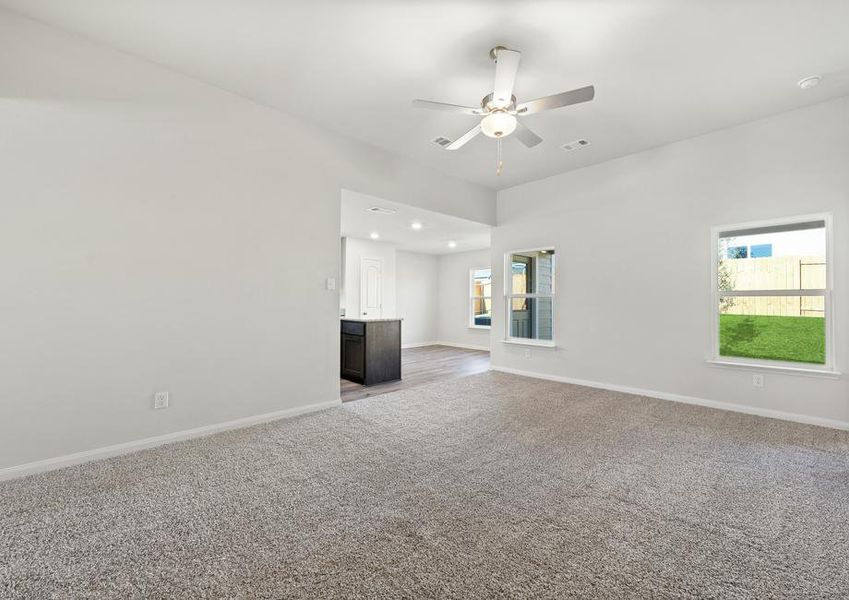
x=427 y=272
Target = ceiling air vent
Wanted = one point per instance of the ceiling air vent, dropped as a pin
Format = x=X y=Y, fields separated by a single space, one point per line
x=441 y=141
x=581 y=143
x=381 y=211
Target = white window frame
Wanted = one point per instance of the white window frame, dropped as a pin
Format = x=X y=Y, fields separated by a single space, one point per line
x=827 y=369
x=472 y=297
x=509 y=296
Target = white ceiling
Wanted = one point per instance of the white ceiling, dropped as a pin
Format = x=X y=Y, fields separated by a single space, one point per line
x=664 y=70
x=437 y=229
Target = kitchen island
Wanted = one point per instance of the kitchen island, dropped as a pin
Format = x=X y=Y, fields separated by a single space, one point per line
x=371 y=350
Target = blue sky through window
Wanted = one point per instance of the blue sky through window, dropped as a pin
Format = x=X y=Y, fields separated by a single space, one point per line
x=761 y=250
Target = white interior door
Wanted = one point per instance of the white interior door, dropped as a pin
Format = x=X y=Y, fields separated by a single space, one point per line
x=371 y=288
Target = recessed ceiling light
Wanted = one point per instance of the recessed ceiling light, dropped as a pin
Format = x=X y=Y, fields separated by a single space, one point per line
x=452 y=244
x=374 y=235
x=416 y=225
x=809 y=82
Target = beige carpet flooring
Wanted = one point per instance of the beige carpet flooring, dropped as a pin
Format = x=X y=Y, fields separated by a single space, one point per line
x=487 y=486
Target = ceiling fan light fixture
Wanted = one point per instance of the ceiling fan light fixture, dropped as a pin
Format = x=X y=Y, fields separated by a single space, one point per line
x=498 y=124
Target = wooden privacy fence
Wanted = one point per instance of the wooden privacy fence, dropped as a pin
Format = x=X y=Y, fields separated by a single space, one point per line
x=776 y=273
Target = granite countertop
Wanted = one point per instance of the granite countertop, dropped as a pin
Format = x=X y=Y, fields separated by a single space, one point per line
x=367 y=320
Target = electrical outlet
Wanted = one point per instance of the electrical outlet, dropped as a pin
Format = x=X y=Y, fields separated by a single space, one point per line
x=527 y=353
x=758 y=380
x=330 y=284
x=160 y=400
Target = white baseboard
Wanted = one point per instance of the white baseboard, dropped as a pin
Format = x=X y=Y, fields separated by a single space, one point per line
x=740 y=408
x=77 y=458
x=419 y=344
x=451 y=344
x=466 y=346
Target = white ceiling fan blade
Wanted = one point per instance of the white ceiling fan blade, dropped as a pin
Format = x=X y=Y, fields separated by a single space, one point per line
x=461 y=141
x=506 y=65
x=429 y=104
x=584 y=94
x=526 y=136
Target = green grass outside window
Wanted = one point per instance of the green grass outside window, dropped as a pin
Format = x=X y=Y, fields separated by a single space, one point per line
x=796 y=339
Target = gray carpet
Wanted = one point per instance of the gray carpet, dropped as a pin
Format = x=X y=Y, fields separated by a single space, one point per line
x=487 y=486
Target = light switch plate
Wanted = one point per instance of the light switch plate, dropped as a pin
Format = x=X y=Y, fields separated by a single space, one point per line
x=331 y=283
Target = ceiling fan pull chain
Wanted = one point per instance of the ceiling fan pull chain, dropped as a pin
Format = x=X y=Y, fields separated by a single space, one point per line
x=499 y=164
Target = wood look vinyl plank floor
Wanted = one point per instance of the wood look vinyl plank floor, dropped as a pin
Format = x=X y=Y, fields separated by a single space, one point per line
x=420 y=366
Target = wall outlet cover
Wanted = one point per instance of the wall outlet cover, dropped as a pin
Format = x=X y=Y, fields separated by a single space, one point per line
x=758 y=380
x=160 y=400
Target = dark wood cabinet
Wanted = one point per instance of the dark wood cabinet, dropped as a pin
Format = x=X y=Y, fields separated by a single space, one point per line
x=371 y=351
x=353 y=357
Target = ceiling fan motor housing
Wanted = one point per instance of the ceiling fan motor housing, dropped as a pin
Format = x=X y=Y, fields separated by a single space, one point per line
x=488 y=105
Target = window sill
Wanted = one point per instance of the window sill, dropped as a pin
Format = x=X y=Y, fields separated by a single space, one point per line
x=803 y=371
x=484 y=327
x=535 y=343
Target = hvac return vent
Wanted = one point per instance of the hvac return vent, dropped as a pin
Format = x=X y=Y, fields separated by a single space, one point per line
x=381 y=211
x=581 y=143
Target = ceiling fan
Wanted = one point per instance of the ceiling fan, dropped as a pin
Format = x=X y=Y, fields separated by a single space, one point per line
x=499 y=110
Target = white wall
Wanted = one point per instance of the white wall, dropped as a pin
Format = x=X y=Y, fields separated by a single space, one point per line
x=454 y=298
x=620 y=321
x=161 y=234
x=355 y=251
x=417 y=288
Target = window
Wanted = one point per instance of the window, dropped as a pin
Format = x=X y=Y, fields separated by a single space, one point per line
x=753 y=251
x=480 y=315
x=772 y=299
x=529 y=292
x=761 y=251
x=737 y=252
